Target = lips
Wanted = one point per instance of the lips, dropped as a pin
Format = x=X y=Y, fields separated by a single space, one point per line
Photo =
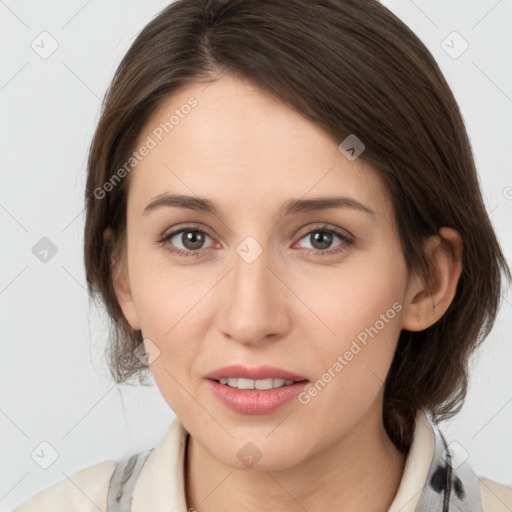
x=259 y=372
x=244 y=401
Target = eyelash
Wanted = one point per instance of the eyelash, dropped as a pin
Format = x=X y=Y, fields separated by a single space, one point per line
x=315 y=252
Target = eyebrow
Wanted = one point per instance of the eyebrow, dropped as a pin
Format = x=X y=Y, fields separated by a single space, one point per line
x=291 y=206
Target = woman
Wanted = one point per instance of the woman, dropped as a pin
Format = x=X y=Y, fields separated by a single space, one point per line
x=285 y=225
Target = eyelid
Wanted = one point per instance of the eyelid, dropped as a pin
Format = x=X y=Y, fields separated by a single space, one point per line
x=187 y=227
x=324 y=226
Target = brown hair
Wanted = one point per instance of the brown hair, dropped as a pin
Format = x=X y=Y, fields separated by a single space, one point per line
x=352 y=67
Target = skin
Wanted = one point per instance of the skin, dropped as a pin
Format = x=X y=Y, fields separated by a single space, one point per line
x=249 y=153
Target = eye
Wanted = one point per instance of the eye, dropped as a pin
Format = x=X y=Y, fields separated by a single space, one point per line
x=191 y=238
x=321 y=238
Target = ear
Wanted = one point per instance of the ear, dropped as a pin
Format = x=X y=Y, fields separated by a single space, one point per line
x=121 y=281
x=425 y=306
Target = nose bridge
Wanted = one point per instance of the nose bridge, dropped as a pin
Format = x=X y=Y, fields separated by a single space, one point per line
x=252 y=306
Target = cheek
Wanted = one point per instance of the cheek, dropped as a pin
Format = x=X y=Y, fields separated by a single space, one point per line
x=169 y=309
x=164 y=293
x=174 y=306
x=357 y=315
x=169 y=306
x=353 y=295
x=350 y=358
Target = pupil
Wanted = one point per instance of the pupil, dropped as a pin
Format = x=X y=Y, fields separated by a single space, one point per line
x=192 y=239
x=323 y=238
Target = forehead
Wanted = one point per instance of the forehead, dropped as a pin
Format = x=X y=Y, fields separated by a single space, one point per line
x=231 y=141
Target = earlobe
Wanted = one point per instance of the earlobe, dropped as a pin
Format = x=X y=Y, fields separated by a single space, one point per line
x=427 y=302
x=121 y=283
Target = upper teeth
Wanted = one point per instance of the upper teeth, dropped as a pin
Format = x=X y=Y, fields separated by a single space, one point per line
x=242 y=383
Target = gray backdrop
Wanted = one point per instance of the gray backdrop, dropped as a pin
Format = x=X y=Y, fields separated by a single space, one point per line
x=57 y=59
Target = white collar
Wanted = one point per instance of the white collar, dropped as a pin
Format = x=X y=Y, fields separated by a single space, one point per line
x=161 y=482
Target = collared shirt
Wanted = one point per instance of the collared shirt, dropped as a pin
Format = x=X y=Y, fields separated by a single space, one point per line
x=436 y=478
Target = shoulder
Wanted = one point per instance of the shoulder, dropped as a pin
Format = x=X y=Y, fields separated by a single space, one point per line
x=85 y=490
x=496 y=497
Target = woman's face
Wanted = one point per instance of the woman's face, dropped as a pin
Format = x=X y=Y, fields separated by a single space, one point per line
x=261 y=285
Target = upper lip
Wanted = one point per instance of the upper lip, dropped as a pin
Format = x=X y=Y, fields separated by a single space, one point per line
x=258 y=372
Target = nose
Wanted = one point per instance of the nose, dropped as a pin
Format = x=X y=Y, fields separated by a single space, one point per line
x=253 y=301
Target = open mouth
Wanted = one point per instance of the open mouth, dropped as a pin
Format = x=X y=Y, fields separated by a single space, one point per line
x=255 y=396
x=257 y=384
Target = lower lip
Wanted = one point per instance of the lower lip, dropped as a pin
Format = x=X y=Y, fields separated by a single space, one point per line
x=247 y=401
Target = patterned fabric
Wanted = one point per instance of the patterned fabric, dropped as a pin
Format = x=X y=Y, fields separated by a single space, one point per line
x=451 y=486
x=123 y=482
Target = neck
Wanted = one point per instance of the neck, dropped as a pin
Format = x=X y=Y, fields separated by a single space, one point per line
x=361 y=471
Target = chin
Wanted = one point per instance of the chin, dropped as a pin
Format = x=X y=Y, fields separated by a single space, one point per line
x=260 y=456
